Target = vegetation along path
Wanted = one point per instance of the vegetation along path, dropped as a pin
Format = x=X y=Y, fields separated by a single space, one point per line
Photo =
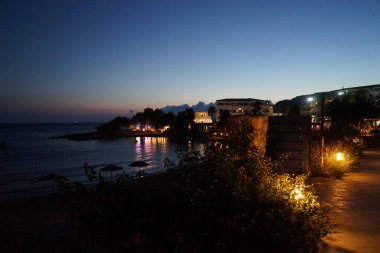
x=355 y=207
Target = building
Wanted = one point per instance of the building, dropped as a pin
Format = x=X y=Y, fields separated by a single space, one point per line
x=244 y=106
x=314 y=105
x=202 y=122
x=202 y=118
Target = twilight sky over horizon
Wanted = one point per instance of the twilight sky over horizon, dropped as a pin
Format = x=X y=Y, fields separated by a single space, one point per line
x=84 y=60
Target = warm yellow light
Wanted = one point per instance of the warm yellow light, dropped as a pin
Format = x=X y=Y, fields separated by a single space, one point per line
x=298 y=194
x=339 y=156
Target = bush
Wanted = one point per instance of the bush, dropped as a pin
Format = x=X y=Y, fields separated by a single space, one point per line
x=339 y=157
x=228 y=200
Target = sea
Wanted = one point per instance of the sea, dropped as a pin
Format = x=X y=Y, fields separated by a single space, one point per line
x=31 y=153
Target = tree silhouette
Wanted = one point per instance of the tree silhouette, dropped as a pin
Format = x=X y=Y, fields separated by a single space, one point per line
x=114 y=125
x=184 y=120
x=287 y=108
x=224 y=115
x=257 y=107
x=347 y=111
x=211 y=111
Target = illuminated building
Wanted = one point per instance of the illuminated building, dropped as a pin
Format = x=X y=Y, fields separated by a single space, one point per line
x=244 y=106
x=202 y=117
x=312 y=105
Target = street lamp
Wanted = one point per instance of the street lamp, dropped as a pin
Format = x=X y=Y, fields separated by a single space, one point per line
x=339 y=156
x=314 y=110
x=322 y=126
x=297 y=192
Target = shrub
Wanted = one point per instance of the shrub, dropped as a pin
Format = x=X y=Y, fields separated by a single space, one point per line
x=339 y=157
x=228 y=200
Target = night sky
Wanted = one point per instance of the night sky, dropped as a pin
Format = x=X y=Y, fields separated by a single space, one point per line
x=65 y=61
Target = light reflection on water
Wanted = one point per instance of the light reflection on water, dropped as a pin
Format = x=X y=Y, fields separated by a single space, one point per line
x=149 y=148
x=33 y=154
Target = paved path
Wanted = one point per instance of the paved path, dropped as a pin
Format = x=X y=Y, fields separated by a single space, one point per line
x=355 y=207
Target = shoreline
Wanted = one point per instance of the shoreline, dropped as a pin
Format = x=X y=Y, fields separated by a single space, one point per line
x=97 y=136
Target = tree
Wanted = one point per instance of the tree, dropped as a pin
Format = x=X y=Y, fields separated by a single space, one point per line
x=153 y=118
x=211 y=111
x=231 y=200
x=114 y=125
x=257 y=107
x=223 y=118
x=287 y=108
x=183 y=120
x=167 y=119
x=347 y=111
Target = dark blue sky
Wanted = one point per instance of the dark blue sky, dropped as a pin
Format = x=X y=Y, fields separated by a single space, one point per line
x=92 y=60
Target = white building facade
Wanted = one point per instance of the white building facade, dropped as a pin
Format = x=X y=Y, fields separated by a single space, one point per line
x=244 y=106
x=202 y=118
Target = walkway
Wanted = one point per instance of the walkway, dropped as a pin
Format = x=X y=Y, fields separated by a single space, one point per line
x=355 y=208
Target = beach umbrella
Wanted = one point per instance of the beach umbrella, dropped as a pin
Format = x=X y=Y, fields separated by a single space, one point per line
x=111 y=168
x=139 y=164
x=54 y=178
x=89 y=171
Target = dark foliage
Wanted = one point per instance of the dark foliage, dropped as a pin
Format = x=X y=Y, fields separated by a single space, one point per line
x=114 y=125
x=183 y=121
x=227 y=201
x=224 y=115
x=348 y=110
x=155 y=118
x=257 y=108
x=287 y=108
x=211 y=110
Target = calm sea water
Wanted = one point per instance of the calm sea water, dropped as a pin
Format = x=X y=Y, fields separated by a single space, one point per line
x=32 y=153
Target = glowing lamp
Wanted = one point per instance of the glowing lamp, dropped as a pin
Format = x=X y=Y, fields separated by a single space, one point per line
x=298 y=193
x=339 y=156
